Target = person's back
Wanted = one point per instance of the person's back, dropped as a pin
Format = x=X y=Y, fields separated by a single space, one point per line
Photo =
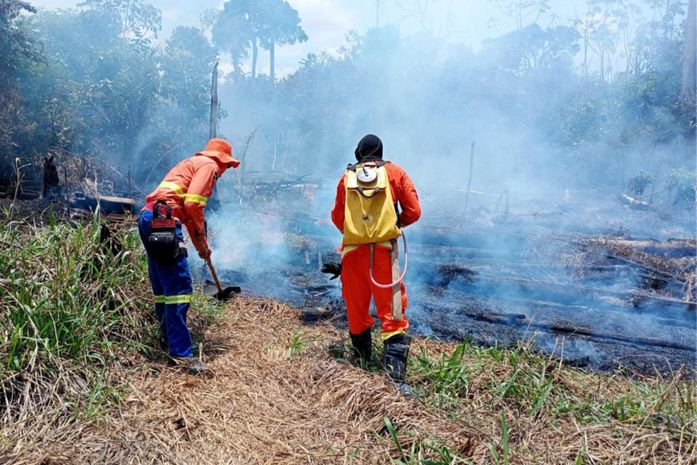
x=366 y=212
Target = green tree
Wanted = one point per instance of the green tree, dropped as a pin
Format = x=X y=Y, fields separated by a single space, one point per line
x=245 y=24
x=139 y=20
x=280 y=26
x=18 y=51
x=601 y=29
x=107 y=83
x=16 y=46
x=186 y=77
x=534 y=50
x=234 y=32
x=186 y=66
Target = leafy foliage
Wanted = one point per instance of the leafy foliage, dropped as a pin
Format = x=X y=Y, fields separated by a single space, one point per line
x=120 y=96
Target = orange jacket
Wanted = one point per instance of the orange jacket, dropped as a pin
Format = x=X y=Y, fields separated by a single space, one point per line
x=186 y=188
x=403 y=192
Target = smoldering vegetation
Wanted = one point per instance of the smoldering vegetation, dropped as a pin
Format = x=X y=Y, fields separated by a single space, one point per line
x=536 y=154
x=542 y=172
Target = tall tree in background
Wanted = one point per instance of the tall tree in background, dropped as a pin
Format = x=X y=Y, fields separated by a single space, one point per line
x=249 y=24
x=378 y=5
x=601 y=30
x=280 y=26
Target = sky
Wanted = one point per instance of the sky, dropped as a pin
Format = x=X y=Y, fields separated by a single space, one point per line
x=326 y=22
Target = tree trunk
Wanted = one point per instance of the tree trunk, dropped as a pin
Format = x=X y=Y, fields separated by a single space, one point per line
x=255 y=55
x=585 y=53
x=272 y=57
x=689 y=66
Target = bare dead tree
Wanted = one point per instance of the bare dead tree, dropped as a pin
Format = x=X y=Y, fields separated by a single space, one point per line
x=378 y=5
x=242 y=158
x=214 y=103
x=689 y=66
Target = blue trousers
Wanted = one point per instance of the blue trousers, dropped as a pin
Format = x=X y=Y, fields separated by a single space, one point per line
x=171 y=284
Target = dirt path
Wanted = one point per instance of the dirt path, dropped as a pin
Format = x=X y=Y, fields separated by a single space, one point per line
x=275 y=395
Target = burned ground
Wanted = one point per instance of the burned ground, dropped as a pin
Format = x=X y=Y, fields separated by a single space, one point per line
x=595 y=297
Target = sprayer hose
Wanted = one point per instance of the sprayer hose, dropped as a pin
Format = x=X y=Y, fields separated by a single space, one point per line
x=401 y=277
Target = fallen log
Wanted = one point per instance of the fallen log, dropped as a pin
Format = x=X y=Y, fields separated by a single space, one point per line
x=634 y=203
x=631 y=296
x=628 y=260
x=458 y=333
x=107 y=204
x=575 y=330
x=531 y=303
x=670 y=248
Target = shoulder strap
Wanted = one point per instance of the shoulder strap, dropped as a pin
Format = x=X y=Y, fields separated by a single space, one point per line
x=376 y=163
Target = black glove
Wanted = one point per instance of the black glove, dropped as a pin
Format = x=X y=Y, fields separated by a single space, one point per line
x=332 y=268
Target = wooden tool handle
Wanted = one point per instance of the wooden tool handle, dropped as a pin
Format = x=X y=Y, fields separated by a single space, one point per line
x=214 y=274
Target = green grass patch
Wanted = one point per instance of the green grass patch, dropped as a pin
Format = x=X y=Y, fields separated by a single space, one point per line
x=467 y=378
x=76 y=301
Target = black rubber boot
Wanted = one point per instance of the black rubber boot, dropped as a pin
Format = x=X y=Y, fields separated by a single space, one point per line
x=362 y=347
x=396 y=355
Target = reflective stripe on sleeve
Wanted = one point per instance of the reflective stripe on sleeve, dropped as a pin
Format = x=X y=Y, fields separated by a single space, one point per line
x=178 y=299
x=195 y=198
x=159 y=299
x=176 y=188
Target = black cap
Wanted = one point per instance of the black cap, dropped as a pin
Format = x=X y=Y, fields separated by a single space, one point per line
x=369 y=149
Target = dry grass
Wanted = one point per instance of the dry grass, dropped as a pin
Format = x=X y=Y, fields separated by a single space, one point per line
x=276 y=395
x=263 y=403
x=558 y=415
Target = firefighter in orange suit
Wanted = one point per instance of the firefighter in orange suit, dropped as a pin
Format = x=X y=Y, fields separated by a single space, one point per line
x=180 y=199
x=366 y=212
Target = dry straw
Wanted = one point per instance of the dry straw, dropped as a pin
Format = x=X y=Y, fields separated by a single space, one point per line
x=276 y=396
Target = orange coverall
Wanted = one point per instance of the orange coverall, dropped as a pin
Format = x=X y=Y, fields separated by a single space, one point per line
x=357 y=288
x=187 y=187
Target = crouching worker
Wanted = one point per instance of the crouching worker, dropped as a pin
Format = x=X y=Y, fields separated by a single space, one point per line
x=366 y=212
x=180 y=199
